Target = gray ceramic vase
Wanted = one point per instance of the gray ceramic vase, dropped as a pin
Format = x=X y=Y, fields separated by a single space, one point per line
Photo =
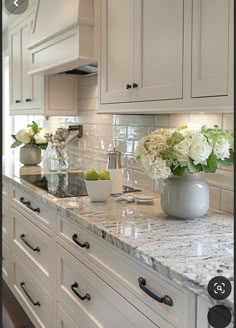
x=185 y=197
x=30 y=155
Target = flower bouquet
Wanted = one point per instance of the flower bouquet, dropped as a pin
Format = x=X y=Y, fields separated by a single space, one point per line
x=33 y=134
x=174 y=155
x=167 y=152
x=33 y=140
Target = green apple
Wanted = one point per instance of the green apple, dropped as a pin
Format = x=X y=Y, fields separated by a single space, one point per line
x=90 y=174
x=103 y=175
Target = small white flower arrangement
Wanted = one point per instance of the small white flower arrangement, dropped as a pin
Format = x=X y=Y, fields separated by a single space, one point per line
x=167 y=152
x=33 y=134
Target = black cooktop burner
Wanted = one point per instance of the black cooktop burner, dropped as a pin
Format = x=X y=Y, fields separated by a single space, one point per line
x=61 y=185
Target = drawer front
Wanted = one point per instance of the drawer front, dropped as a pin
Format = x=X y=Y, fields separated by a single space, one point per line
x=5 y=262
x=101 y=305
x=63 y=319
x=32 y=297
x=33 y=209
x=5 y=219
x=127 y=273
x=34 y=247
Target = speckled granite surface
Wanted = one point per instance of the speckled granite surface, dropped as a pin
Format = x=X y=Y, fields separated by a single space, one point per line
x=189 y=252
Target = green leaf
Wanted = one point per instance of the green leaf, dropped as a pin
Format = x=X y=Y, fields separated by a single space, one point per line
x=227 y=161
x=16 y=144
x=182 y=127
x=34 y=127
x=211 y=164
x=14 y=136
x=194 y=168
x=42 y=146
x=179 y=171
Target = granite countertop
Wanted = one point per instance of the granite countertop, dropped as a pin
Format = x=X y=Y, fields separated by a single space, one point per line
x=189 y=252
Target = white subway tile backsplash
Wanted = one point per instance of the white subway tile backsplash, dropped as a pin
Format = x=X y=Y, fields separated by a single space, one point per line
x=162 y=120
x=143 y=120
x=136 y=132
x=209 y=119
x=177 y=120
x=227 y=201
x=214 y=197
x=228 y=122
x=102 y=131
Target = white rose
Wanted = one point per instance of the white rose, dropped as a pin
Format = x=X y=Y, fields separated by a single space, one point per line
x=39 y=137
x=182 y=151
x=200 y=151
x=222 y=150
x=23 y=136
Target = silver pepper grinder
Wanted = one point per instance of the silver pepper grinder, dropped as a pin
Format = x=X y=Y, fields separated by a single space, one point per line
x=115 y=170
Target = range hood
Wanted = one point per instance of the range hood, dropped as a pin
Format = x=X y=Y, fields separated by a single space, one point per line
x=62 y=36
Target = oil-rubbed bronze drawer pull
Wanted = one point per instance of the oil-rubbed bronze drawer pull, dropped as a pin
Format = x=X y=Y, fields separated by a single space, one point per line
x=28 y=205
x=22 y=284
x=85 y=297
x=86 y=244
x=36 y=249
x=166 y=299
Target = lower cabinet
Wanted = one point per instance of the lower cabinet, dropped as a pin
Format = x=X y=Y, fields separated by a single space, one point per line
x=89 y=301
x=66 y=277
x=34 y=299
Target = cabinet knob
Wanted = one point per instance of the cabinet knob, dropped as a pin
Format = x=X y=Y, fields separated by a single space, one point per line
x=17 y=101
x=128 y=86
x=135 y=85
x=28 y=99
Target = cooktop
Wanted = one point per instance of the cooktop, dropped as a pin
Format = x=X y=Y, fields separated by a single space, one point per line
x=61 y=185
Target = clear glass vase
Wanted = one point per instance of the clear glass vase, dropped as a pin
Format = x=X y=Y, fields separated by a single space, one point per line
x=57 y=160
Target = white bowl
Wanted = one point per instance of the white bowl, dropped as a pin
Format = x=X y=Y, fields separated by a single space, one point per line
x=98 y=190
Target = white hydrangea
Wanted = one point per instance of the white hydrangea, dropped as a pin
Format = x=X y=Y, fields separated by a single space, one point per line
x=222 y=150
x=157 y=168
x=24 y=135
x=39 y=137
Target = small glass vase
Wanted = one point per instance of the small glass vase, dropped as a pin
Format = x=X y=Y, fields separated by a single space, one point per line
x=185 y=197
x=30 y=155
x=57 y=160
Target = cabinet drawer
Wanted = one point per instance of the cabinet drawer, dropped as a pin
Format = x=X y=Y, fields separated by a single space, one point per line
x=32 y=297
x=63 y=319
x=5 y=262
x=127 y=273
x=34 y=247
x=33 y=209
x=101 y=305
x=5 y=219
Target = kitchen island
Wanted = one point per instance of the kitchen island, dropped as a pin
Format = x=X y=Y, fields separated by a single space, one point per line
x=186 y=252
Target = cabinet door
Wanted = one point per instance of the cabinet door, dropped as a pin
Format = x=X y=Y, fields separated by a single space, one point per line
x=158 y=49
x=15 y=67
x=203 y=307
x=117 y=19
x=26 y=79
x=210 y=48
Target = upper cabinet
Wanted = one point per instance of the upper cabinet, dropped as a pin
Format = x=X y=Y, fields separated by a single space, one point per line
x=210 y=48
x=141 y=52
x=166 y=56
x=35 y=94
x=25 y=91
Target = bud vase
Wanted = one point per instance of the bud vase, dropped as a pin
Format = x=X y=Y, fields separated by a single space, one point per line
x=185 y=197
x=30 y=155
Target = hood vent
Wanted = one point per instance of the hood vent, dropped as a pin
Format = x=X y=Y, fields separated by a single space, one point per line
x=62 y=37
x=83 y=70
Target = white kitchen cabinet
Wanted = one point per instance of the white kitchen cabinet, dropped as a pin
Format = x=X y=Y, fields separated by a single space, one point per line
x=181 y=56
x=53 y=95
x=141 y=52
x=158 y=54
x=203 y=307
x=210 y=47
x=26 y=92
